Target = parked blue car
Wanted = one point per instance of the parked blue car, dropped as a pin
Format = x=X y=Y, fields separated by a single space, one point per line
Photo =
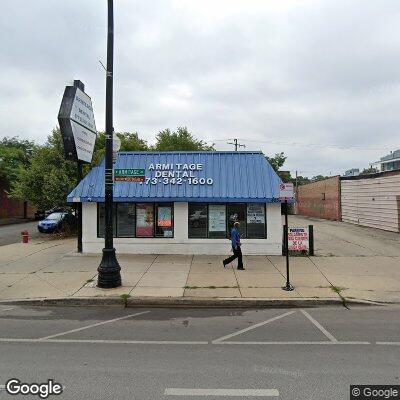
x=57 y=222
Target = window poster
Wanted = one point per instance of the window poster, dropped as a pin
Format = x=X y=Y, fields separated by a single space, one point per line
x=216 y=218
x=164 y=217
x=255 y=214
x=144 y=220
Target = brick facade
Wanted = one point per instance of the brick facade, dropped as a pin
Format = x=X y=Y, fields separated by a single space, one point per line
x=320 y=199
x=11 y=209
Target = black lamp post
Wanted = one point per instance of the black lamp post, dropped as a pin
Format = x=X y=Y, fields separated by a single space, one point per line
x=109 y=269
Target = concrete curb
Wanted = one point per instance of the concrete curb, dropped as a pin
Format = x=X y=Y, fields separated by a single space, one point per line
x=194 y=302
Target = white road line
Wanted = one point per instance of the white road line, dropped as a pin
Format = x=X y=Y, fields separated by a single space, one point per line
x=319 y=326
x=102 y=341
x=111 y=341
x=252 y=327
x=177 y=342
x=389 y=343
x=222 y=392
x=7 y=309
x=93 y=325
x=296 y=343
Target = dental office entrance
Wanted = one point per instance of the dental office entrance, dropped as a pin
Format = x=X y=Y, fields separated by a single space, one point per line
x=184 y=203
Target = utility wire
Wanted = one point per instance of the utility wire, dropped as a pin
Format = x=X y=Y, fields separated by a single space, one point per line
x=321 y=145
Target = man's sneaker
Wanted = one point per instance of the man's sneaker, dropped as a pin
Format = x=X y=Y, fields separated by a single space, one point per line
x=240 y=268
x=224 y=264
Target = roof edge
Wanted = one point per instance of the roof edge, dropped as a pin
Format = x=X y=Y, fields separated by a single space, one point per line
x=191 y=152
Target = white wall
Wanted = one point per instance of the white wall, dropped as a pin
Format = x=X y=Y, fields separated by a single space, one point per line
x=373 y=202
x=180 y=243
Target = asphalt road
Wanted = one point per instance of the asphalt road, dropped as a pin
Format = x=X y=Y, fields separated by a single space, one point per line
x=137 y=353
x=12 y=233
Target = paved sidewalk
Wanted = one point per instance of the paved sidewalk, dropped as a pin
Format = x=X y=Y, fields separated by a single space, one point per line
x=52 y=269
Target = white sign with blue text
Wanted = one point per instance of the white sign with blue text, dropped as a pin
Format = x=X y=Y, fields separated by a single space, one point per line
x=176 y=174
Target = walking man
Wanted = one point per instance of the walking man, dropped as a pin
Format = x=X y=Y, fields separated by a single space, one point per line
x=237 y=251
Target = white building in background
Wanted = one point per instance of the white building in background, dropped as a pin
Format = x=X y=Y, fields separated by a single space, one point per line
x=184 y=203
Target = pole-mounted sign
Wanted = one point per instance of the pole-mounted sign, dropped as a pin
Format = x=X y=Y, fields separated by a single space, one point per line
x=76 y=119
x=78 y=131
x=286 y=193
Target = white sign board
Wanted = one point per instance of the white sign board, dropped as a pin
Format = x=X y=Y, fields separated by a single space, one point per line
x=286 y=191
x=217 y=218
x=76 y=119
x=84 y=141
x=255 y=213
x=82 y=110
x=298 y=239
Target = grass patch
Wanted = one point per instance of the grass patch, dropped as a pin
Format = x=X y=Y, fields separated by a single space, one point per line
x=125 y=298
x=337 y=289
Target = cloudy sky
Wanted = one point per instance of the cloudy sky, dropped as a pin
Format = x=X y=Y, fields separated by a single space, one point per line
x=319 y=80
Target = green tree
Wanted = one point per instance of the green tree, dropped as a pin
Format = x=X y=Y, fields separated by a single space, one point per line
x=15 y=154
x=319 y=178
x=368 y=171
x=301 y=180
x=130 y=141
x=49 y=178
x=181 y=139
x=277 y=161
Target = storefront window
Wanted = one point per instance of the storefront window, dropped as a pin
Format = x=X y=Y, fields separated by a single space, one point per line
x=197 y=220
x=101 y=218
x=217 y=221
x=125 y=219
x=137 y=220
x=256 y=221
x=144 y=220
x=237 y=213
x=164 y=227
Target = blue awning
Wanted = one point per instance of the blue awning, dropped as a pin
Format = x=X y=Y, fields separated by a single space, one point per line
x=186 y=176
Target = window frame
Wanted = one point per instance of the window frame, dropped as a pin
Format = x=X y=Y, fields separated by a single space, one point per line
x=155 y=209
x=226 y=221
x=156 y=206
x=265 y=223
x=206 y=207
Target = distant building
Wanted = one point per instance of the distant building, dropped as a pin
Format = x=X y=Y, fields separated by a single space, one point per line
x=352 y=172
x=391 y=162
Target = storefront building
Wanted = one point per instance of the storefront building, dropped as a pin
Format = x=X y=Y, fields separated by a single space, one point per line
x=184 y=203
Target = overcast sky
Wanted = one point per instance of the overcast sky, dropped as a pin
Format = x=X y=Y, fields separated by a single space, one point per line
x=319 y=80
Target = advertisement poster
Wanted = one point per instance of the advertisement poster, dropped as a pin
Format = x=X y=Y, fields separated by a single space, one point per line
x=298 y=239
x=164 y=217
x=255 y=214
x=216 y=218
x=144 y=220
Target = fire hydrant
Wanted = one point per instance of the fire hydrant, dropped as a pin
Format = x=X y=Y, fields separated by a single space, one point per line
x=25 y=236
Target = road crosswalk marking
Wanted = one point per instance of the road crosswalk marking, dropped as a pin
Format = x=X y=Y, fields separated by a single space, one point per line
x=93 y=325
x=219 y=340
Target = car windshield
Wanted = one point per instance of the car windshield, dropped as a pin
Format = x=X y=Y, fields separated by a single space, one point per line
x=55 y=216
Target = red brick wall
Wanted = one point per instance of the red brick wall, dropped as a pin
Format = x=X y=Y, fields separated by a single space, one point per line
x=10 y=208
x=320 y=199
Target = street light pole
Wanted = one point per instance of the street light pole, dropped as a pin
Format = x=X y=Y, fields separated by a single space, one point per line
x=109 y=269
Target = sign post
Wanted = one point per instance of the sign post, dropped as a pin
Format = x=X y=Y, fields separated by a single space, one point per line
x=109 y=268
x=78 y=129
x=286 y=193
